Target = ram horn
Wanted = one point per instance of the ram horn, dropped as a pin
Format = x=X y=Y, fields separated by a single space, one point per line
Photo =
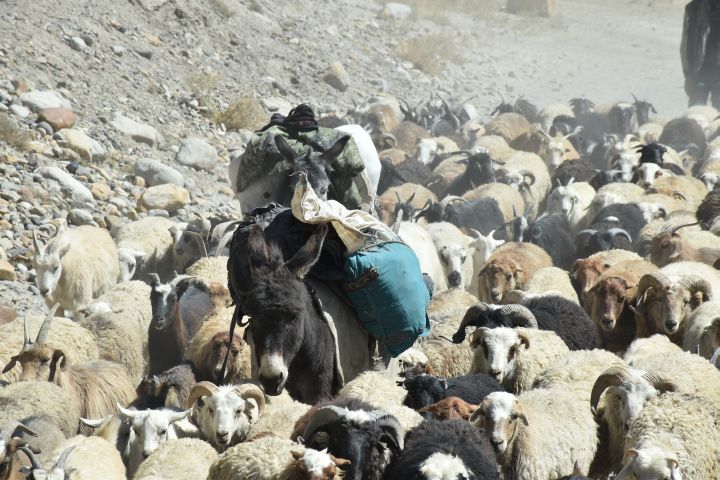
x=63 y=457
x=694 y=283
x=39 y=247
x=7 y=431
x=42 y=335
x=392 y=431
x=27 y=342
x=322 y=417
x=180 y=278
x=31 y=456
x=519 y=316
x=587 y=231
x=201 y=389
x=530 y=175
x=612 y=377
x=390 y=139
x=659 y=383
x=655 y=280
x=474 y=317
x=672 y=232
x=92 y=422
x=154 y=279
x=126 y=412
x=250 y=390
x=614 y=232
x=200 y=242
x=450 y=199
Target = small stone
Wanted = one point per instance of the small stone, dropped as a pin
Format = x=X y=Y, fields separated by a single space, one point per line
x=58 y=118
x=225 y=190
x=144 y=52
x=7 y=272
x=37 y=100
x=19 y=110
x=140 y=132
x=45 y=127
x=7 y=314
x=88 y=39
x=140 y=181
x=77 y=43
x=396 y=11
x=79 y=216
x=152 y=4
x=155 y=173
x=80 y=193
x=101 y=191
x=158 y=213
x=197 y=153
x=77 y=141
x=118 y=50
x=113 y=221
x=337 y=77
x=168 y=197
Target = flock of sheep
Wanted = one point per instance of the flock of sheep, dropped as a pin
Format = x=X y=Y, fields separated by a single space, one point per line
x=578 y=241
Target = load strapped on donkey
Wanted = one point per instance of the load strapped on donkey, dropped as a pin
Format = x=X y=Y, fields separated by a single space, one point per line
x=342 y=258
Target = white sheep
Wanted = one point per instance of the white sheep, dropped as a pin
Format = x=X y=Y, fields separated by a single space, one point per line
x=572 y=201
x=702 y=333
x=146 y=246
x=225 y=414
x=210 y=269
x=419 y=240
x=540 y=434
x=454 y=252
x=483 y=246
x=528 y=173
x=675 y=437
x=273 y=458
x=382 y=391
x=82 y=460
x=150 y=428
x=25 y=399
x=642 y=348
x=181 y=459
x=648 y=172
x=279 y=417
x=710 y=170
x=550 y=281
x=549 y=112
x=515 y=356
x=75 y=267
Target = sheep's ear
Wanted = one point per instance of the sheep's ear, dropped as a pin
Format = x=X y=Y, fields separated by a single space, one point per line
x=478 y=417
x=522 y=417
x=524 y=340
x=297 y=455
x=58 y=356
x=11 y=363
x=64 y=249
x=429 y=409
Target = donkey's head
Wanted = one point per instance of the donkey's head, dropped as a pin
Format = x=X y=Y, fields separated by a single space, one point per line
x=279 y=305
x=314 y=164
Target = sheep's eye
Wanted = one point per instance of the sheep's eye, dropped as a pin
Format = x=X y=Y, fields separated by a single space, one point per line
x=238 y=411
x=514 y=417
x=45 y=361
x=234 y=352
x=55 y=269
x=162 y=432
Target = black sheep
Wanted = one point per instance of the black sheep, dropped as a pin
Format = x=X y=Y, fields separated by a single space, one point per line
x=709 y=209
x=608 y=234
x=479 y=171
x=629 y=216
x=604 y=177
x=554 y=234
x=425 y=389
x=409 y=171
x=548 y=312
x=643 y=109
x=683 y=133
x=438 y=447
x=580 y=170
x=483 y=215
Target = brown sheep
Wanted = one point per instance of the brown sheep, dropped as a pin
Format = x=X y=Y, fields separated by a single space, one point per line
x=670 y=246
x=207 y=350
x=98 y=385
x=610 y=303
x=508 y=198
x=586 y=272
x=693 y=189
x=510 y=267
x=450 y=408
x=408 y=134
x=508 y=125
x=388 y=200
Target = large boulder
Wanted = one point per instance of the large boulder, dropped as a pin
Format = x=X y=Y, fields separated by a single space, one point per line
x=167 y=197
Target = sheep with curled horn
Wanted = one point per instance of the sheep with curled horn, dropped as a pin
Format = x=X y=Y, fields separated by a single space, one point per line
x=670 y=246
x=10 y=445
x=97 y=385
x=493 y=316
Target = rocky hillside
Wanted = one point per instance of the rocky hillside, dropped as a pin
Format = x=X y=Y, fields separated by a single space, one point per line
x=166 y=91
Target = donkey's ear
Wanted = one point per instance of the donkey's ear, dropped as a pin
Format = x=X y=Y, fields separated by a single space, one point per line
x=336 y=149
x=285 y=149
x=301 y=263
x=258 y=251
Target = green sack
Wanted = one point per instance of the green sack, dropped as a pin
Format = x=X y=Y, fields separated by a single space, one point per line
x=261 y=157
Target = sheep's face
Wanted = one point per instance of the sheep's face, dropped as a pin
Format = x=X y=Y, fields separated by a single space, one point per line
x=500 y=415
x=665 y=248
x=315 y=465
x=563 y=200
x=647 y=173
x=485 y=245
x=650 y=463
x=629 y=399
x=453 y=257
x=426 y=150
x=608 y=302
x=225 y=417
x=150 y=428
x=160 y=300
x=495 y=351
x=585 y=274
x=424 y=390
x=128 y=258
x=666 y=307
x=42 y=474
x=450 y=408
x=710 y=180
x=48 y=269
x=442 y=465
x=501 y=279
x=556 y=151
x=218 y=351
x=38 y=362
